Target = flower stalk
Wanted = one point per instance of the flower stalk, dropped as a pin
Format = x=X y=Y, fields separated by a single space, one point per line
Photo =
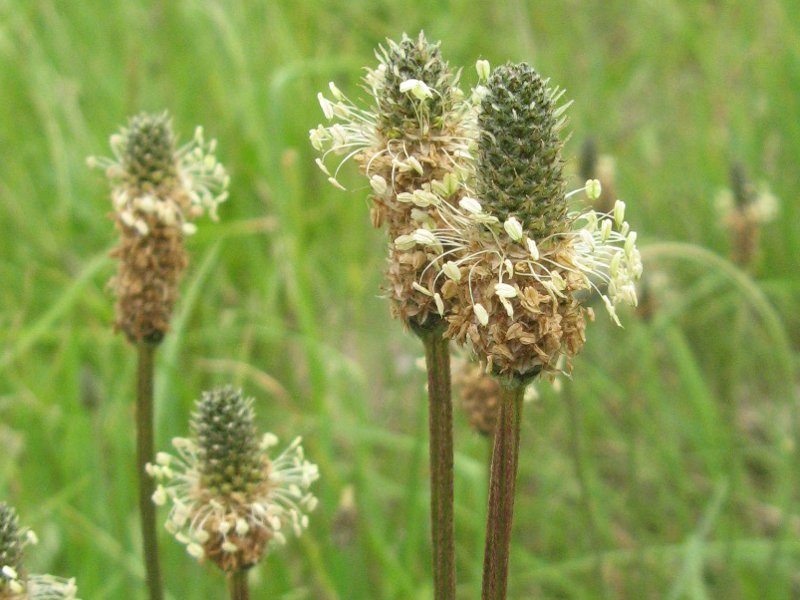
x=502 y=487
x=144 y=454
x=231 y=497
x=237 y=584
x=440 y=421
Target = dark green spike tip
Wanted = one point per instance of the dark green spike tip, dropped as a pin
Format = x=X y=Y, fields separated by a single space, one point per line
x=229 y=455
x=519 y=170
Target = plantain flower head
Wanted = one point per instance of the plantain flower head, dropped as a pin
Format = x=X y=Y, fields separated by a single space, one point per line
x=410 y=139
x=515 y=259
x=158 y=190
x=229 y=499
x=744 y=210
x=15 y=582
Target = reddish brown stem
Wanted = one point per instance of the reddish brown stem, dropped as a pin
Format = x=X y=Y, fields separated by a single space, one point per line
x=440 y=420
x=237 y=584
x=144 y=454
x=502 y=485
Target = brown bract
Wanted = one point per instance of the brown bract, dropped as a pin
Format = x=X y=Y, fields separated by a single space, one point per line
x=480 y=396
x=244 y=549
x=405 y=267
x=544 y=326
x=146 y=283
x=745 y=232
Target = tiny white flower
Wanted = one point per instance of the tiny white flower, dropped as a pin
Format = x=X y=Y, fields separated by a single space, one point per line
x=268 y=440
x=423 y=198
x=613 y=268
x=630 y=244
x=483 y=68
x=452 y=271
x=619 y=212
x=504 y=290
x=507 y=305
x=558 y=281
x=322 y=166
x=513 y=228
x=419 y=89
x=437 y=298
x=587 y=238
x=605 y=230
x=593 y=189
x=335 y=91
x=336 y=184
x=481 y=314
x=141 y=227
x=378 y=184
x=471 y=205
x=533 y=250
x=325 y=104
x=160 y=496
x=405 y=197
x=421 y=289
x=479 y=92
x=415 y=164
x=9 y=572
x=424 y=237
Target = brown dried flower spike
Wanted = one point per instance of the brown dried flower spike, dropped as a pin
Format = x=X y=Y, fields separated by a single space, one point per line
x=158 y=190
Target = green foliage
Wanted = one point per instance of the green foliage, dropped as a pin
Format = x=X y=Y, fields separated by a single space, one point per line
x=676 y=473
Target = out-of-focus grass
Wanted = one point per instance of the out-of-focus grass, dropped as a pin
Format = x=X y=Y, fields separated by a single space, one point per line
x=667 y=467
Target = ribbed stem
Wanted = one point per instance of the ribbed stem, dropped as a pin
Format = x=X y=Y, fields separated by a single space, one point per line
x=237 y=584
x=502 y=485
x=440 y=420
x=144 y=454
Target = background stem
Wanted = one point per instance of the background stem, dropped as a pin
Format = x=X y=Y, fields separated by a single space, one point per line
x=502 y=485
x=238 y=585
x=144 y=454
x=440 y=419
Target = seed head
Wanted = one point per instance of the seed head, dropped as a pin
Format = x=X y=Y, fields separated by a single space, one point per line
x=230 y=500
x=157 y=191
x=15 y=582
x=519 y=166
x=480 y=396
x=744 y=210
x=411 y=143
x=514 y=264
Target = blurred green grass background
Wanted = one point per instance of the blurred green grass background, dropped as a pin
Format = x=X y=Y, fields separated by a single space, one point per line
x=666 y=468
